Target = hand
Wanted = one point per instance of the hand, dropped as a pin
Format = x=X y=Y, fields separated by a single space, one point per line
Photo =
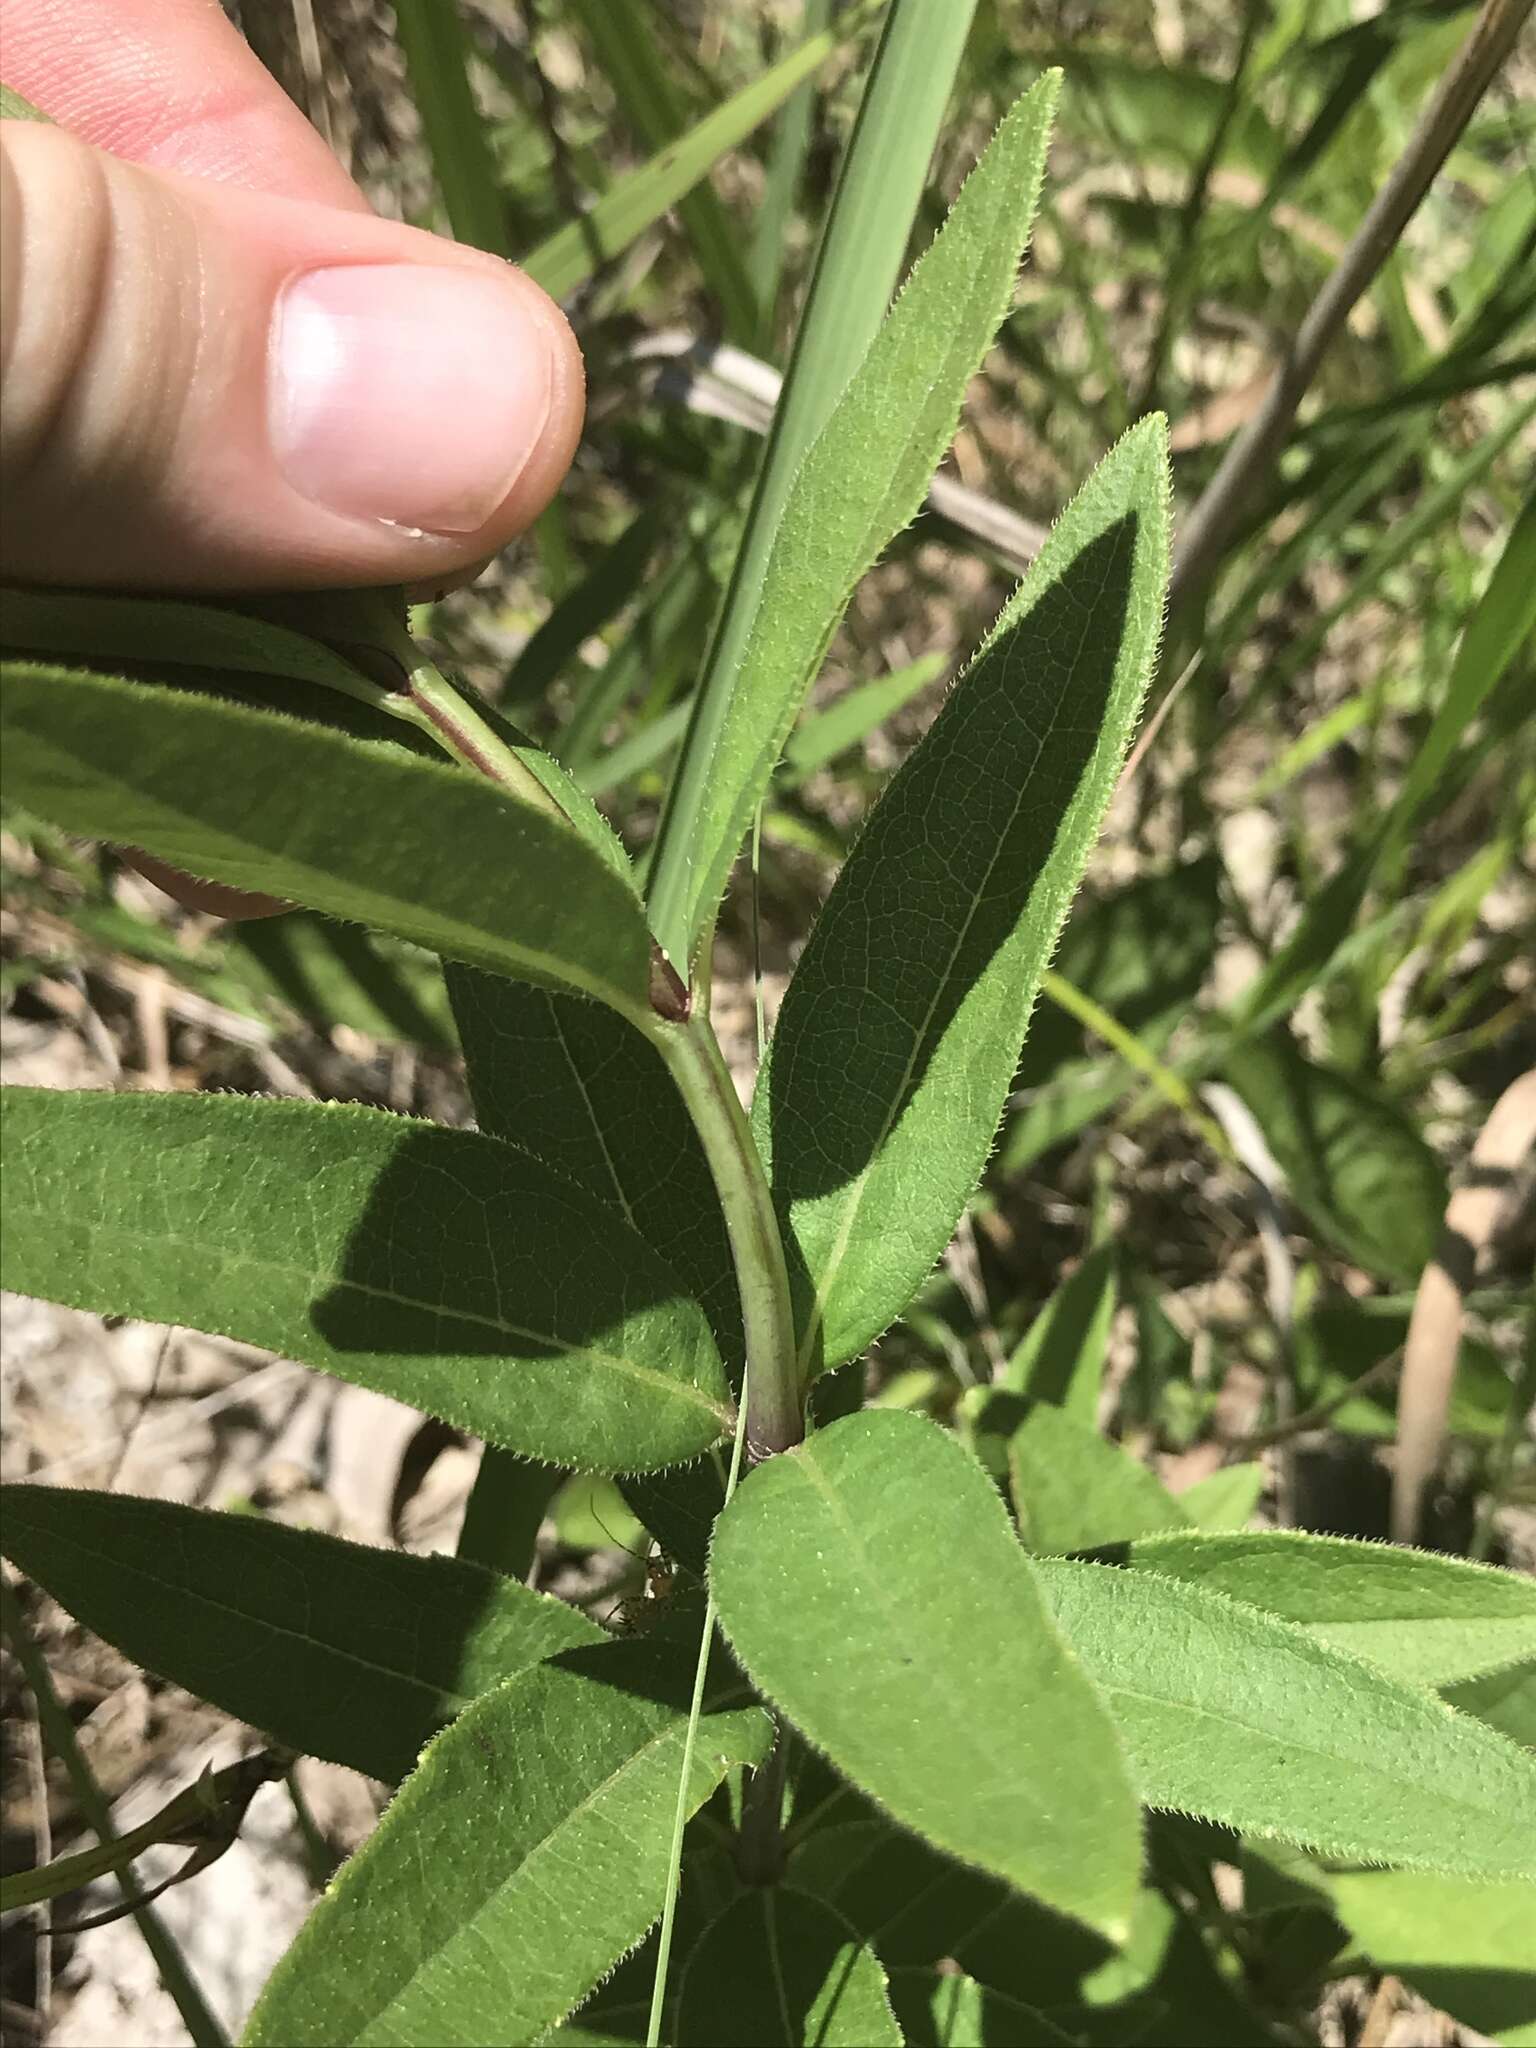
x=221 y=371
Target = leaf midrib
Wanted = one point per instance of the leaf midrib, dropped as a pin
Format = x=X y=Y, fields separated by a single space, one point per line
x=858 y=1187
x=545 y=1844
x=126 y=1569
x=645 y=1375
x=959 y=1710
x=1266 y=1735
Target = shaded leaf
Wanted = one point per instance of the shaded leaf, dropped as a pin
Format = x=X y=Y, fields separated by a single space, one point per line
x=525 y=1855
x=339 y=1651
x=440 y=1267
x=1354 y=1164
x=945 y=2010
x=779 y=1969
x=900 y=1031
x=1465 y=1947
x=835 y=1572
x=1249 y=1721
x=577 y=1087
x=358 y=829
x=1072 y=1490
x=1424 y=1618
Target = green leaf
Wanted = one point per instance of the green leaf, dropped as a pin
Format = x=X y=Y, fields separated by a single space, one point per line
x=917 y=1909
x=437 y=49
x=574 y=1085
x=1251 y=1722
x=864 y=477
x=818 y=740
x=834 y=1569
x=1141 y=954
x=942 y=2009
x=1506 y=1700
x=1061 y=1356
x=518 y=1863
x=626 y=46
x=862 y=245
x=330 y=974
x=1354 y=1164
x=780 y=1969
x=14 y=108
x=440 y=1267
x=1425 y=1619
x=919 y=976
x=1073 y=1491
x=360 y=830
x=339 y=1651
x=575 y=252
x=1466 y=1947
x=1224 y=1501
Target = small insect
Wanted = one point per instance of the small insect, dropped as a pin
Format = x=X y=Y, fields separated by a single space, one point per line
x=641 y=1611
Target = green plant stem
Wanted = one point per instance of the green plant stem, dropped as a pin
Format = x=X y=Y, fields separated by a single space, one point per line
x=696 y=1708
x=856 y=268
x=775 y=1403
x=59 y=1730
x=760 y=1848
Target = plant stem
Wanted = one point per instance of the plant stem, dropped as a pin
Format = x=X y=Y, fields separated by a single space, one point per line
x=1248 y=461
x=760 y=1850
x=696 y=1708
x=56 y=1725
x=775 y=1406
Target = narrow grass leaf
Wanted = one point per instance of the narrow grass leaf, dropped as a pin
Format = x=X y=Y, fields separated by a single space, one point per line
x=871 y=1584
x=781 y=1969
x=1073 y=1491
x=901 y=1029
x=359 y=830
x=626 y=47
x=1251 y=1722
x=520 y=1861
x=355 y=1655
x=863 y=243
x=633 y=202
x=819 y=740
x=863 y=479
x=440 y=1267
x=1426 y=1619
x=1060 y=1358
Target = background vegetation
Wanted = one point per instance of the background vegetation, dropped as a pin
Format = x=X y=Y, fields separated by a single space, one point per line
x=1298 y=984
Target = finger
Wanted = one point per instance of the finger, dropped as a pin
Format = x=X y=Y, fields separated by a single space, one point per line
x=211 y=388
x=169 y=83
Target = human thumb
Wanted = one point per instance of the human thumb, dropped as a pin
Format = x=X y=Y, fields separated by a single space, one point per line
x=206 y=387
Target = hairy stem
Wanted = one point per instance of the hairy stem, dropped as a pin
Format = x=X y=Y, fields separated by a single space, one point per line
x=775 y=1409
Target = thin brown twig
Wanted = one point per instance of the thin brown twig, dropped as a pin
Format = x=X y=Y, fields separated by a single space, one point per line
x=1248 y=461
